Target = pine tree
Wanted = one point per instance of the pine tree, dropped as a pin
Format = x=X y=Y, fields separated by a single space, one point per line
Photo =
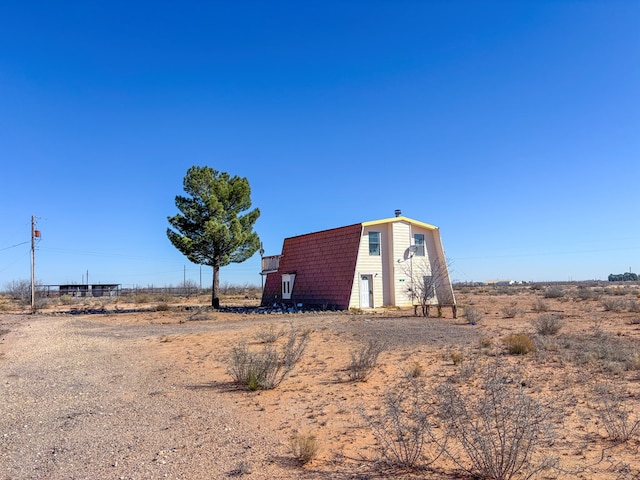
x=213 y=228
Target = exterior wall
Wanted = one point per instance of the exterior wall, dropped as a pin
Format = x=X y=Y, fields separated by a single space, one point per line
x=394 y=270
x=401 y=278
x=444 y=289
x=323 y=264
x=370 y=265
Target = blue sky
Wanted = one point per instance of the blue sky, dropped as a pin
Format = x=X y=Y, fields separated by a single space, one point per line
x=513 y=126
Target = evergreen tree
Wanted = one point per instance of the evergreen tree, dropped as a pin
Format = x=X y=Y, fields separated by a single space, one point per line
x=213 y=228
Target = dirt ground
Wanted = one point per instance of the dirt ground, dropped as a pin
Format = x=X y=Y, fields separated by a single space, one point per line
x=147 y=394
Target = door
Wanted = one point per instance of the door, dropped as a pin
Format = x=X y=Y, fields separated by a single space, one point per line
x=366 y=291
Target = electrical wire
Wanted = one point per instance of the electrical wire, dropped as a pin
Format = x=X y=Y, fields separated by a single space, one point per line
x=12 y=246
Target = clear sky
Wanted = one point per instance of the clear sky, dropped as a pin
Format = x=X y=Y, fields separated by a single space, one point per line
x=514 y=126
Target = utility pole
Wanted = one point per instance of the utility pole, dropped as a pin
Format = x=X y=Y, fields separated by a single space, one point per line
x=33 y=264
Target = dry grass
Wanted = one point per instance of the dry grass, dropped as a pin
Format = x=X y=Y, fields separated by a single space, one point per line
x=519 y=344
x=364 y=359
x=304 y=447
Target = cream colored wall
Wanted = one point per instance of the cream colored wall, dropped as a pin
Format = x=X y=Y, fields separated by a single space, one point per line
x=445 y=289
x=391 y=271
x=401 y=281
x=374 y=265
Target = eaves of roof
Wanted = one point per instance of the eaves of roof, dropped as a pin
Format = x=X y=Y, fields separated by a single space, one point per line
x=399 y=219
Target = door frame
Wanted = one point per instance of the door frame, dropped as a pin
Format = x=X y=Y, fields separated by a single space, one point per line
x=366 y=278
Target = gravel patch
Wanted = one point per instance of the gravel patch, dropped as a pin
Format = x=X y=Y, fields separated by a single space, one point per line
x=82 y=398
x=78 y=403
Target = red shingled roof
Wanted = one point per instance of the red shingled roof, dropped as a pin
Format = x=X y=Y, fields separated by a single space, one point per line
x=324 y=263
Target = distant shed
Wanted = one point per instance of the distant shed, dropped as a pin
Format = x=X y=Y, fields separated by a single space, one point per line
x=95 y=290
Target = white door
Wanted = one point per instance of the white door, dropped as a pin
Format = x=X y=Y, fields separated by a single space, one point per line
x=366 y=292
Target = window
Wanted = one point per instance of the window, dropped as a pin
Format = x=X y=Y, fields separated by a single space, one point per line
x=287 y=285
x=418 y=241
x=374 y=243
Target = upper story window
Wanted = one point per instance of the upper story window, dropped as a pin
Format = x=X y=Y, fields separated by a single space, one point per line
x=418 y=241
x=374 y=243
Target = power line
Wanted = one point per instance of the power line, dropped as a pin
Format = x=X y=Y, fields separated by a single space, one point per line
x=12 y=246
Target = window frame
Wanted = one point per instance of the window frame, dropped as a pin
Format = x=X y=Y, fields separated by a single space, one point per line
x=375 y=252
x=286 y=285
x=418 y=243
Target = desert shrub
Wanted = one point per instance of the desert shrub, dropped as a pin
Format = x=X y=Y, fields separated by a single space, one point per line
x=242 y=468
x=620 y=422
x=553 y=292
x=585 y=293
x=511 y=310
x=162 y=307
x=199 y=315
x=457 y=357
x=245 y=290
x=619 y=291
x=19 y=290
x=415 y=370
x=485 y=342
x=403 y=429
x=141 y=298
x=611 y=354
x=519 y=344
x=163 y=297
x=547 y=324
x=304 y=447
x=472 y=315
x=467 y=368
x=266 y=369
x=612 y=304
x=498 y=434
x=364 y=359
x=540 y=306
x=269 y=334
x=633 y=306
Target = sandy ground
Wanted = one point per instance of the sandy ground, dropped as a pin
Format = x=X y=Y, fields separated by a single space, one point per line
x=147 y=394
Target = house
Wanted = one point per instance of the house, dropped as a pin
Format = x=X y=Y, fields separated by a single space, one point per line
x=366 y=265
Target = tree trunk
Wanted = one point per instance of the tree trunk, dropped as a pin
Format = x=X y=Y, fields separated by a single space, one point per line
x=215 y=299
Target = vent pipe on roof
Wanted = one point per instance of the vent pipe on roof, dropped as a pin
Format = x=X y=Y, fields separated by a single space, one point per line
x=398 y=213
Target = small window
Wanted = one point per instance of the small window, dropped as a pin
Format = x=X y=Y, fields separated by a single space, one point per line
x=418 y=241
x=374 y=243
x=287 y=285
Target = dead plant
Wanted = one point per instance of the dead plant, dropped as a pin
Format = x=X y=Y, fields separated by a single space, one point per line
x=498 y=435
x=620 y=422
x=266 y=369
x=403 y=427
x=364 y=359
x=304 y=447
x=512 y=310
x=547 y=324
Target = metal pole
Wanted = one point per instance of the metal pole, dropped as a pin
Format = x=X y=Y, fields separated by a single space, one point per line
x=33 y=264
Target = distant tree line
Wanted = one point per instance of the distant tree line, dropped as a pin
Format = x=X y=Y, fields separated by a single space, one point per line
x=623 y=277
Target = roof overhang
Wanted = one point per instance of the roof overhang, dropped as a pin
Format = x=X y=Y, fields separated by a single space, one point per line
x=399 y=219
